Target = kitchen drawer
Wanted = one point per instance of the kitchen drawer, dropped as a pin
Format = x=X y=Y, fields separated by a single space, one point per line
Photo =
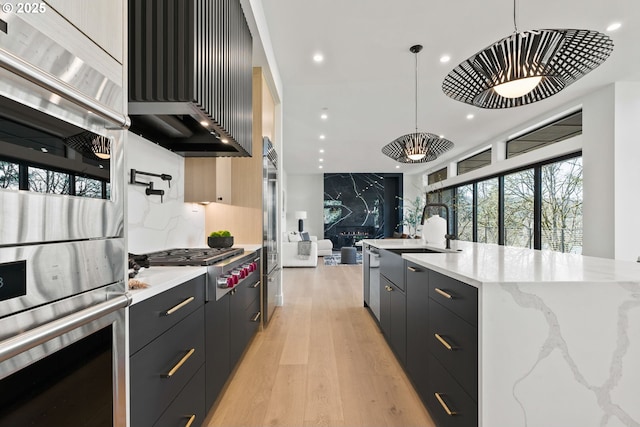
x=458 y=297
x=151 y=390
x=189 y=404
x=248 y=290
x=416 y=275
x=464 y=410
x=148 y=319
x=462 y=360
x=392 y=267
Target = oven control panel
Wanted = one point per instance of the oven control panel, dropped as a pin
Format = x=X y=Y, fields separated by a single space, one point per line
x=13 y=279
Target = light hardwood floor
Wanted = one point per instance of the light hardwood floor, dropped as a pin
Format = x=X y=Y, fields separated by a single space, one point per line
x=322 y=361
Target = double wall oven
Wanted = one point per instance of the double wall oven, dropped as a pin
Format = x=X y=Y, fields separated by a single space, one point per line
x=62 y=249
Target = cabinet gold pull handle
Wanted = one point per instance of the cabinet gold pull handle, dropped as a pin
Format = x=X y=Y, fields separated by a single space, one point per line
x=256 y=317
x=179 y=306
x=413 y=269
x=444 y=342
x=443 y=293
x=255 y=285
x=180 y=363
x=444 y=405
x=192 y=418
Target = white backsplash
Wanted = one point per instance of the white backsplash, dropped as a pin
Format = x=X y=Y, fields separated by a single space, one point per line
x=152 y=225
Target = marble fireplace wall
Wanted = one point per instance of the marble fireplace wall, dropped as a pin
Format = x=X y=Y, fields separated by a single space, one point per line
x=353 y=207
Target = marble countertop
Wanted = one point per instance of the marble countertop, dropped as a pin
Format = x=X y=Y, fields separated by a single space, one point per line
x=162 y=279
x=479 y=263
x=407 y=244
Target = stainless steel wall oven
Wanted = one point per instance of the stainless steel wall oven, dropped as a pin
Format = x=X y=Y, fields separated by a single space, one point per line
x=62 y=249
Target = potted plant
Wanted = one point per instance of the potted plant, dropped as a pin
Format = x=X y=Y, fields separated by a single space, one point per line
x=220 y=239
x=412 y=215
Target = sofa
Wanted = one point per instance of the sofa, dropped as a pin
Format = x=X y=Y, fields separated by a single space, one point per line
x=290 y=256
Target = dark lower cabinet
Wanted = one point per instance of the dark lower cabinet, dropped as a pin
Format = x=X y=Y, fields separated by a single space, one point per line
x=448 y=403
x=218 y=332
x=230 y=324
x=162 y=369
x=393 y=318
x=188 y=407
x=417 y=326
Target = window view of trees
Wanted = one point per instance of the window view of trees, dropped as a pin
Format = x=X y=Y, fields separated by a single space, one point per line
x=518 y=209
x=46 y=181
x=87 y=187
x=562 y=206
x=9 y=176
x=487 y=226
x=464 y=212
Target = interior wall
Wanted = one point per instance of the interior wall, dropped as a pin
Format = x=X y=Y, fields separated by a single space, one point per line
x=305 y=193
x=626 y=171
x=154 y=224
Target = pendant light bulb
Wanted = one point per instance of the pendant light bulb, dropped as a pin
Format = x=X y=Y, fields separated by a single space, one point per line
x=517 y=88
x=417 y=156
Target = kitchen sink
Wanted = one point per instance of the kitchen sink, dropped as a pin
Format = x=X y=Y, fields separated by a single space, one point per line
x=423 y=251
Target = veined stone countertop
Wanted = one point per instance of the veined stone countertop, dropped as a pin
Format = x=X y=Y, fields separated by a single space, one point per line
x=558 y=334
x=162 y=279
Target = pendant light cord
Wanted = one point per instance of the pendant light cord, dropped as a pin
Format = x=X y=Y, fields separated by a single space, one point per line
x=515 y=23
x=416 y=56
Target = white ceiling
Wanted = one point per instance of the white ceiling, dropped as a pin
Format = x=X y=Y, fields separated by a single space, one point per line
x=366 y=81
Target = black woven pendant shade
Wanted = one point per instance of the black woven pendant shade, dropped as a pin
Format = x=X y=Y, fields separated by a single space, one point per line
x=94 y=146
x=559 y=57
x=417 y=147
x=419 y=143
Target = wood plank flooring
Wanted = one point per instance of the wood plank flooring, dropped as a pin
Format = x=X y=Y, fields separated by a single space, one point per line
x=322 y=361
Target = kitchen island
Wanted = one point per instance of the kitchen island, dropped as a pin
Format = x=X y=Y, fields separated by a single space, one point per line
x=557 y=335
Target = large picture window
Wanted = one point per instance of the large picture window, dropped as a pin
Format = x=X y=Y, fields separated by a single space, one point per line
x=562 y=206
x=539 y=207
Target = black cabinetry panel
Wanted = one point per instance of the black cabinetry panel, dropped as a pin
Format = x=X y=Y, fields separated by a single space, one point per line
x=417 y=290
x=464 y=297
x=392 y=267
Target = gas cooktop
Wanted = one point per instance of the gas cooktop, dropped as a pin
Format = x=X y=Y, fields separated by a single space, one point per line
x=192 y=256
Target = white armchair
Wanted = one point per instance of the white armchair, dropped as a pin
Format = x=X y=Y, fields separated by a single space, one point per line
x=290 y=257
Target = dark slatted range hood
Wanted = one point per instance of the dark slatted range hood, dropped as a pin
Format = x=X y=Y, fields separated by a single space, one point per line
x=190 y=76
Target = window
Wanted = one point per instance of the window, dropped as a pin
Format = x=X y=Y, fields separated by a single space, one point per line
x=487 y=222
x=557 y=131
x=46 y=181
x=87 y=187
x=518 y=209
x=437 y=176
x=464 y=212
x=562 y=206
x=474 y=162
x=9 y=175
x=539 y=207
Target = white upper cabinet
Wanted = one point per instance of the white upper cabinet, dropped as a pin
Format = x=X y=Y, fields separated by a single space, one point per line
x=101 y=20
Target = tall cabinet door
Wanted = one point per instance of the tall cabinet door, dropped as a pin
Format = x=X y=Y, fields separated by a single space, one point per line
x=417 y=287
x=217 y=330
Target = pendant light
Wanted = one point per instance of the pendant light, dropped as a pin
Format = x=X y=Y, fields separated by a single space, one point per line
x=418 y=147
x=526 y=66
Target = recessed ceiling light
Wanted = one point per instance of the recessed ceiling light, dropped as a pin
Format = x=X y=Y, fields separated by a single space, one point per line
x=322 y=150
x=322 y=136
x=324 y=116
x=397 y=166
x=321 y=160
x=441 y=136
x=44 y=150
x=204 y=123
x=470 y=116
x=320 y=167
x=318 y=57
x=224 y=140
x=614 y=26
x=445 y=58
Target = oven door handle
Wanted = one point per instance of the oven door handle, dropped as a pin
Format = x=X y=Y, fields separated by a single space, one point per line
x=20 y=343
x=60 y=88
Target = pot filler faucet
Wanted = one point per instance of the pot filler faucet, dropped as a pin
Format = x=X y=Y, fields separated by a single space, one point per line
x=448 y=237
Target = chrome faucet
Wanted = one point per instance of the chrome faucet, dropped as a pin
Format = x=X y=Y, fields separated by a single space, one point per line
x=448 y=237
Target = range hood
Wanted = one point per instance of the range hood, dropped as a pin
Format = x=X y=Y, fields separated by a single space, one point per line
x=190 y=76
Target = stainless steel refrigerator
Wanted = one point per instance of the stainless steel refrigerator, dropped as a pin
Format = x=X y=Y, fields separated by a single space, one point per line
x=270 y=264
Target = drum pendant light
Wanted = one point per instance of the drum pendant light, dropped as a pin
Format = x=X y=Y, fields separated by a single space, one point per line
x=526 y=66
x=418 y=147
